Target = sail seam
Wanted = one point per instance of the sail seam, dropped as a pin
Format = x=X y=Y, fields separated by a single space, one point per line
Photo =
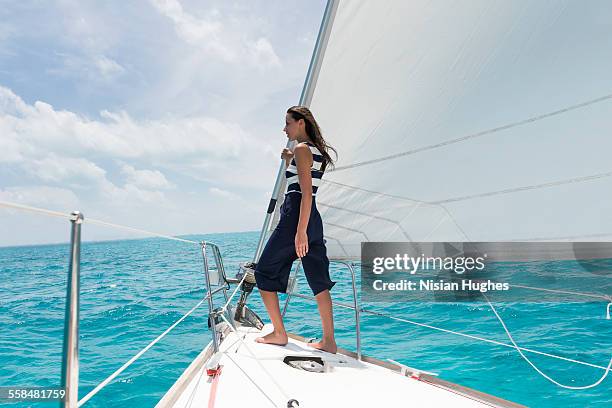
x=474 y=135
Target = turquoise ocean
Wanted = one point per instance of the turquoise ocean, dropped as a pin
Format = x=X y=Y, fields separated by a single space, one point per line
x=132 y=290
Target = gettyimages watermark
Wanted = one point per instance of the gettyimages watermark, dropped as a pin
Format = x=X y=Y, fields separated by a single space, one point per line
x=503 y=271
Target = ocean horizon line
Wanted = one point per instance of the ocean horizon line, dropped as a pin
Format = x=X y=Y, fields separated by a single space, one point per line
x=105 y=241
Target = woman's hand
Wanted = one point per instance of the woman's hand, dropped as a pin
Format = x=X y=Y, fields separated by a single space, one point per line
x=287 y=154
x=301 y=243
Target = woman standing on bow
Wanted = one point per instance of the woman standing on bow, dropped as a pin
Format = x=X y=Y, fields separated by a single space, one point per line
x=299 y=233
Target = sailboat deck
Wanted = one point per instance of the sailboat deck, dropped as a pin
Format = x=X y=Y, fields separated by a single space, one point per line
x=347 y=381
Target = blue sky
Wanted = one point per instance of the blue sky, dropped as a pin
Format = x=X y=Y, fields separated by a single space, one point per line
x=165 y=115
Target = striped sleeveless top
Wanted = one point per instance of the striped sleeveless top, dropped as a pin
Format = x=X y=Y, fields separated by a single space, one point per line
x=291 y=173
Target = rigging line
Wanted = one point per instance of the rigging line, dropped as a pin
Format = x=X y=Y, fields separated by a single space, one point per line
x=567 y=292
x=278 y=386
x=412 y=212
x=250 y=379
x=499 y=343
x=607 y=298
x=44 y=211
x=238 y=285
x=569 y=387
x=397 y=224
x=568 y=237
x=339 y=244
x=525 y=188
x=135 y=357
x=125 y=227
x=475 y=135
x=419 y=202
x=195 y=389
x=348 y=229
x=373 y=192
x=357 y=212
x=442 y=219
x=371 y=216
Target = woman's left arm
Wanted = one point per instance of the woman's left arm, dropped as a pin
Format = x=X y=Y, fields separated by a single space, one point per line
x=303 y=161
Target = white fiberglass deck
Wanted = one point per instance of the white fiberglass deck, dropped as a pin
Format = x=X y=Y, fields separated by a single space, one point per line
x=347 y=383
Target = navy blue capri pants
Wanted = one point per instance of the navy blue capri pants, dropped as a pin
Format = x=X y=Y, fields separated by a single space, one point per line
x=272 y=270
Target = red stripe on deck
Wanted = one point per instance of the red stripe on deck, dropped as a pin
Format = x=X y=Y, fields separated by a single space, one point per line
x=213 y=388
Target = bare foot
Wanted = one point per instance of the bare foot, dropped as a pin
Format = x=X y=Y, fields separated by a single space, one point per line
x=329 y=346
x=273 y=338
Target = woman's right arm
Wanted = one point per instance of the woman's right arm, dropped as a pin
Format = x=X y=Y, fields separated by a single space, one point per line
x=287 y=155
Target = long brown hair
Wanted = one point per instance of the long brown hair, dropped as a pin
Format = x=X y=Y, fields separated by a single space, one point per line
x=314 y=133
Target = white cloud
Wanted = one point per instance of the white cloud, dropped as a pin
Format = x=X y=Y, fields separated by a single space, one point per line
x=189 y=28
x=132 y=195
x=147 y=179
x=10 y=149
x=263 y=55
x=54 y=198
x=65 y=169
x=148 y=107
x=80 y=155
x=212 y=35
x=108 y=67
x=11 y=104
x=91 y=66
x=33 y=132
x=202 y=33
x=224 y=194
x=86 y=44
x=59 y=148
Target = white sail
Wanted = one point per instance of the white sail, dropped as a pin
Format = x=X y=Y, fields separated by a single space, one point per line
x=466 y=121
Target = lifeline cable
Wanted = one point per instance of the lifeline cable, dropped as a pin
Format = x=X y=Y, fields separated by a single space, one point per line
x=60 y=214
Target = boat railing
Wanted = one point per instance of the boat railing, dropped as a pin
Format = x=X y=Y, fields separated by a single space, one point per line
x=355 y=306
x=360 y=310
x=215 y=283
x=221 y=283
x=70 y=361
x=215 y=278
x=218 y=283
